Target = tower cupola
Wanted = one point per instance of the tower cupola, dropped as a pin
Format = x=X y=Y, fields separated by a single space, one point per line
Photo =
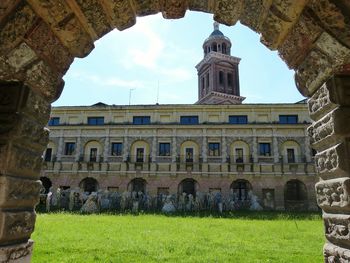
x=217 y=42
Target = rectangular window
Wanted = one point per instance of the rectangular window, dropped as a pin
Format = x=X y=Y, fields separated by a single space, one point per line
x=70 y=148
x=214 y=149
x=265 y=149
x=93 y=154
x=207 y=78
x=189 y=155
x=96 y=120
x=164 y=149
x=238 y=119
x=48 y=155
x=139 y=155
x=229 y=79
x=288 y=119
x=141 y=120
x=117 y=148
x=221 y=78
x=239 y=155
x=290 y=156
x=189 y=120
x=54 y=121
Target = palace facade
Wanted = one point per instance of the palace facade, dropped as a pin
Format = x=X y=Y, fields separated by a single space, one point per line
x=216 y=145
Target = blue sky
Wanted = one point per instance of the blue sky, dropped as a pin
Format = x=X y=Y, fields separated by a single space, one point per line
x=166 y=52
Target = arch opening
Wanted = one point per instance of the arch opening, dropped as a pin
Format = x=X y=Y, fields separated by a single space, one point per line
x=295 y=195
x=89 y=185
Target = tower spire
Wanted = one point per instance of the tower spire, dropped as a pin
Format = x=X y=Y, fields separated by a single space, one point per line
x=216 y=25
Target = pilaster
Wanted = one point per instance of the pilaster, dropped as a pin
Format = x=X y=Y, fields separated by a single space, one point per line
x=329 y=109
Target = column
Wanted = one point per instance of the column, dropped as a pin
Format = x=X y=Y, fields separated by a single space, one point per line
x=307 y=148
x=224 y=147
x=24 y=138
x=174 y=151
x=126 y=147
x=79 y=148
x=329 y=109
x=255 y=147
x=154 y=148
x=106 y=146
x=60 y=147
x=204 y=146
x=276 y=153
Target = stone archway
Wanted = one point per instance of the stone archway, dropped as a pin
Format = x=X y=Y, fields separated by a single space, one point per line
x=39 y=40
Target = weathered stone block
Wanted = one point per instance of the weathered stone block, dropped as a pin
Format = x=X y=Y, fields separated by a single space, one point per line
x=61 y=19
x=333 y=253
x=313 y=72
x=281 y=18
x=254 y=13
x=333 y=196
x=16 y=226
x=49 y=48
x=147 y=7
x=299 y=40
x=174 y=9
x=21 y=56
x=16 y=27
x=19 y=253
x=227 y=12
x=94 y=16
x=330 y=129
x=334 y=162
x=20 y=161
x=18 y=192
x=337 y=229
x=333 y=17
x=44 y=80
x=199 y=5
x=120 y=12
x=335 y=92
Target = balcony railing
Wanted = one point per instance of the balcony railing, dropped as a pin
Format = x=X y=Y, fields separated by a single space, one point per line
x=139 y=158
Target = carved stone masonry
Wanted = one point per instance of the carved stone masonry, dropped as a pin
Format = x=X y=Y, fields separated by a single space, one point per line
x=333 y=196
x=334 y=162
x=331 y=128
x=335 y=254
x=337 y=229
x=16 y=226
x=16 y=253
x=18 y=192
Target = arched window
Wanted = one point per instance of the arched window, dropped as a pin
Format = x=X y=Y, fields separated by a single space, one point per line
x=241 y=188
x=89 y=185
x=188 y=186
x=224 y=49
x=214 y=47
x=46 y=182
x=295 y=195
x=137 y=185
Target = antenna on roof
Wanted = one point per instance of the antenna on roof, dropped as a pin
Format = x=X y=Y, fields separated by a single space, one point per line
x=130 y=90
x=157 y=93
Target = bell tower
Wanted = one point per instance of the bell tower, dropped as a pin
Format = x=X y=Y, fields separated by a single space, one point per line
x=218 y=75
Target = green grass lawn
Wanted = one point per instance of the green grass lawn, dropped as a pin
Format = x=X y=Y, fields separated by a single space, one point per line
x=239 y=237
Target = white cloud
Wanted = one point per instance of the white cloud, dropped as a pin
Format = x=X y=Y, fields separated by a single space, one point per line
x=176 y=74
x=107 y=82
